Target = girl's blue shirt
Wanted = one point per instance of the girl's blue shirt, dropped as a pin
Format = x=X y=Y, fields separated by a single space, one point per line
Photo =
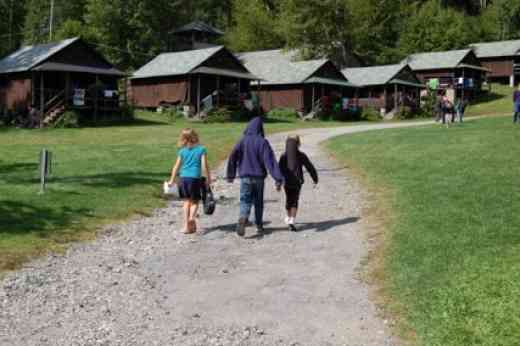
x=191 y=161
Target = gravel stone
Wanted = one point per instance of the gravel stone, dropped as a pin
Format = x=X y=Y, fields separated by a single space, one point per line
x=140 y=281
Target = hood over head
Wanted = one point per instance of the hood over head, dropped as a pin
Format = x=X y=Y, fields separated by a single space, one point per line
x=255 y=127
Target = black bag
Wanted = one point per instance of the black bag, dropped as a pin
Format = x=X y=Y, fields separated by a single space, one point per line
x=209 y=202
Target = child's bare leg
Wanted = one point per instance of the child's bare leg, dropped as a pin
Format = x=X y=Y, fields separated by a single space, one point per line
x=194 y=209
x=293 y=212
x=186 y=213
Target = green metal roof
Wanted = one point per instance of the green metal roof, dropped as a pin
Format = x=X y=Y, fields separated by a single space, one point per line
x=178 y=63
x=329 y=81
x=26 y=58
x=436 y=60
x=278 y=67
x=224 y=73
x=407 y=83
x=372 y=75
x=496 y=49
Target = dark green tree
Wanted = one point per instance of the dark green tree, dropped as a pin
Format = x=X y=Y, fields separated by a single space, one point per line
x=11 y=28
x=376 y=26
x=255 y=26
x=432 y=27
x=502 y=19
x=318 y=28
x=37 y=19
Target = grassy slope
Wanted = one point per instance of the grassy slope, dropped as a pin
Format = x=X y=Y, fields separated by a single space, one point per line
x=454 y=255
x=101 y=175
x=498 y=101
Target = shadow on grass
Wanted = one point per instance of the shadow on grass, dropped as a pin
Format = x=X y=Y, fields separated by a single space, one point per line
x=22 y=218
x=107 y=180
x=18 y=168
x=324 y=226
x=138 y=122
x=114 y=180
x=487 y=98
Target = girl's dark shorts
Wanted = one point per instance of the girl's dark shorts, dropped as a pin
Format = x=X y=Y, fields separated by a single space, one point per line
x=190 y=188
x=292 y=194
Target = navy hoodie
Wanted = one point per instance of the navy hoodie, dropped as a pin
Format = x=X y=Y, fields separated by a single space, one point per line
x=253 y=155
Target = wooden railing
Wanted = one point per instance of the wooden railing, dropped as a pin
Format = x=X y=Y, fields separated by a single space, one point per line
x=56 y=101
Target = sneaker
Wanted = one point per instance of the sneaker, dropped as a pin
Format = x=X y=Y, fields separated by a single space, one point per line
x=287 y=220
x=241 y=227
x=260 y=230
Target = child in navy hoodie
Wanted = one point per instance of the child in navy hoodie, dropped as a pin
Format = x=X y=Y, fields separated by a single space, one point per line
x=253 y=157
x=291 y=165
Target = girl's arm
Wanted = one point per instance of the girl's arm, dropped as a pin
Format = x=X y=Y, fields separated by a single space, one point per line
x=310 y=168
x=206 y=169
x=175 y=171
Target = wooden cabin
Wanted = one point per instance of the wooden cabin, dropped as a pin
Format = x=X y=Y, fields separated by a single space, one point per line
x=501 y=58
x=386 y=87
x=190 y=78
x=287 y=82
x=195 y=35
x=459 y=71
x=60 y=75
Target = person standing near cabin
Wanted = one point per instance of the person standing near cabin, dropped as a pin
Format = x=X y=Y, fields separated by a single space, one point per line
x=291 y=165
x=191 y=157
x=253 y=157
x=438 y=107
x=516 y=102
x=460 y=108
x=447 y=107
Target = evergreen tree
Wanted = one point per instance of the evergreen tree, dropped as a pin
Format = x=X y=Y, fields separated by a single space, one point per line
x=502 y=20
x=131 y=32
x=11 y=28
x=318 y=28
x=435 y=28
x=376 y=29
x=254 y=26
x=37 y=19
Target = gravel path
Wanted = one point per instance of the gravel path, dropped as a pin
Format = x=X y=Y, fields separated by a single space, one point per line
x=144 y=283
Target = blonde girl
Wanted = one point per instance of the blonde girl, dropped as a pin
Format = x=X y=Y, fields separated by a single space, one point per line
x=192 y=158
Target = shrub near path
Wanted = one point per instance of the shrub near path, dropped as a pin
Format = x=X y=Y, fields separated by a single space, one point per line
x=453 y=261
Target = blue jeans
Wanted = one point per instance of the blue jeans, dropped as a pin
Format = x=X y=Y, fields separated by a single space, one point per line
x=516 y=117
x=252 y=193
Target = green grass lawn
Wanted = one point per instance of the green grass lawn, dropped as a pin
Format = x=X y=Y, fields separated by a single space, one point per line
x=452 y=258
x=498 y=101
x=101 y=175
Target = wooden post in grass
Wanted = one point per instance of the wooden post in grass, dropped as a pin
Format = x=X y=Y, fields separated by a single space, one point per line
x=45 y=168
